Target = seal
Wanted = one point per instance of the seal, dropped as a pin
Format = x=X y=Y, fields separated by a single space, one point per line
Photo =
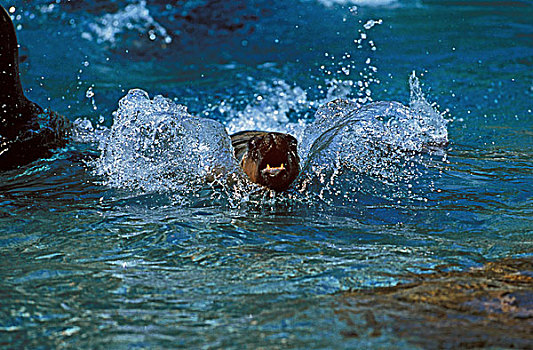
x=27 y=132
x=269 y=159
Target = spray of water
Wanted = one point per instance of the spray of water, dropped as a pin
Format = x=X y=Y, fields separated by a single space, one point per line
x=156 y=145
x=134 y=17
x=381 y=143
x=353 y=145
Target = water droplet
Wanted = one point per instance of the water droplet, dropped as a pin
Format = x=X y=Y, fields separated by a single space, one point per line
x=89 y=93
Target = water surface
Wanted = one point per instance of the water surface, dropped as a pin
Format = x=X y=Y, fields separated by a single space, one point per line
x=97 y=255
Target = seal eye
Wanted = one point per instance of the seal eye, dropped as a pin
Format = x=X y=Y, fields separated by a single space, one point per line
x=254 y=141
x=292 y=143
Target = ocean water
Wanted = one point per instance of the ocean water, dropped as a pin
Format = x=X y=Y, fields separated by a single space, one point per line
x=117 y=241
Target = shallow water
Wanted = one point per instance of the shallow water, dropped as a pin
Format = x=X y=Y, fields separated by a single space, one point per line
x=96 y=255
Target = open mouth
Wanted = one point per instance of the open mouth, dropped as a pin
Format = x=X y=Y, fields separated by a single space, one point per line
x=273 y=163
x=273 y=170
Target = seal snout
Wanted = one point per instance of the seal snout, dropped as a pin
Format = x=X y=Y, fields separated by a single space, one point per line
x=275 y=158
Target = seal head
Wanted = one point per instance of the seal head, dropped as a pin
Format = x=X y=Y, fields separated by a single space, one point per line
x=27 y=133
x=269 y=159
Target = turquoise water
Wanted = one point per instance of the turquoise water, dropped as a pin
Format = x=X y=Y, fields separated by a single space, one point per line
x=96 y=255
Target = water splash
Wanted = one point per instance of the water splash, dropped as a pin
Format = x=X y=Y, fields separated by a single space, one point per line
x=381 y=142
x=156 y=145
x=433 y=125
x=353 y=75
x=269 y=110
x=369 y=3
x=134 y=17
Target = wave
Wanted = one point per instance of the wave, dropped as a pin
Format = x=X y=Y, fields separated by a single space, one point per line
x=134 y=17
x=366 y=3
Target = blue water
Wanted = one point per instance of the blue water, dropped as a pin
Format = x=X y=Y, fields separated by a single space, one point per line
x=95 y=255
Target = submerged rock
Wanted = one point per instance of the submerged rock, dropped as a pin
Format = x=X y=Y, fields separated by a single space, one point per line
x=487 y=307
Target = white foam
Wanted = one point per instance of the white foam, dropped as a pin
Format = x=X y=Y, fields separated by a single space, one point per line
x=379 y=143
x=134 y=17
x=156 y=145
x=269 y=109
x=368 y=3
